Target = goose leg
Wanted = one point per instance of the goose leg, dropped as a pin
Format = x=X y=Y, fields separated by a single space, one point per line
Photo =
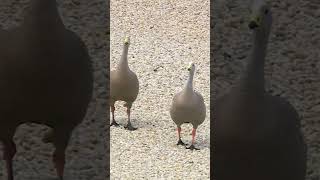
x=60 y=141
x=129 y=126
x=8 y=154
x=113 y=123
x=179 y=136
x=192 y=147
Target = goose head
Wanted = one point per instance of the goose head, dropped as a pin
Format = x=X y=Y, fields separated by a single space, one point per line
x=127 y=41
x=191 y=67
x=260 y=15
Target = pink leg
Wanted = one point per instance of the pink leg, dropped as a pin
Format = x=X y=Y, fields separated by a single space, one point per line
x=113 y=123
x=8 y=154
x=129 y=125
x=61 y=140
x=193 y=135
x=179 y=132
x=59 y=161
x=179 y=136
x=112 y=111
x=193 y=140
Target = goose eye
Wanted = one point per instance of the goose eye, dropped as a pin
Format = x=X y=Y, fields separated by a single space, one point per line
x=266 y=11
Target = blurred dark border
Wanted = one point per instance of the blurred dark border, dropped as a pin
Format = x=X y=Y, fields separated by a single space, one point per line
x=294 y=75
x=212 y=93
x=108 y=88
x=14 y=9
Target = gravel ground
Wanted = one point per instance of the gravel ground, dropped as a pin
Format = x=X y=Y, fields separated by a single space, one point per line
x=86 y=153
x=292 y=68
x=165 y=35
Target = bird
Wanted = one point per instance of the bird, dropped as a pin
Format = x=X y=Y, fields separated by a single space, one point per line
x=124 y=85
x=256 y=135
x=46 y=78
x=188 y=107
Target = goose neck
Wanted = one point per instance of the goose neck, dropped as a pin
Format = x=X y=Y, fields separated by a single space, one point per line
x=189 y=84
x=124 y=58
x=43 y=13
x=254 y=76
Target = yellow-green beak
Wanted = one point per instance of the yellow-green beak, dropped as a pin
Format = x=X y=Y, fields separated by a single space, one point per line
x=190 y=67
x=126 y=40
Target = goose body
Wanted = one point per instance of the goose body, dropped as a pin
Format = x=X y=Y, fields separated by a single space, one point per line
x=124 y=85
x=47 y=79
x=256 y=135
x=188 y=107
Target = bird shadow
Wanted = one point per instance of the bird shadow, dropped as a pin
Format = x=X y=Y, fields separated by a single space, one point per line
x=204 y=143
x=123 y=123
x=200 y=144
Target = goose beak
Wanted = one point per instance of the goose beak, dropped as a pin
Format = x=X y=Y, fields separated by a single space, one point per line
x=190 y=66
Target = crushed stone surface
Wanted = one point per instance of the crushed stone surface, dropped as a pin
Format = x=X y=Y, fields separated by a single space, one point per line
x=165 y=36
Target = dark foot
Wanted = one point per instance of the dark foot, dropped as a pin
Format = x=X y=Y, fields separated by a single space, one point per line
x=114 y=123
x=130 y=127
x=192 y=148
x=181 y=143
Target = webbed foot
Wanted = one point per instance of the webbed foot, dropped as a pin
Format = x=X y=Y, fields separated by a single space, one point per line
x=180 y=142
x=192 y=147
